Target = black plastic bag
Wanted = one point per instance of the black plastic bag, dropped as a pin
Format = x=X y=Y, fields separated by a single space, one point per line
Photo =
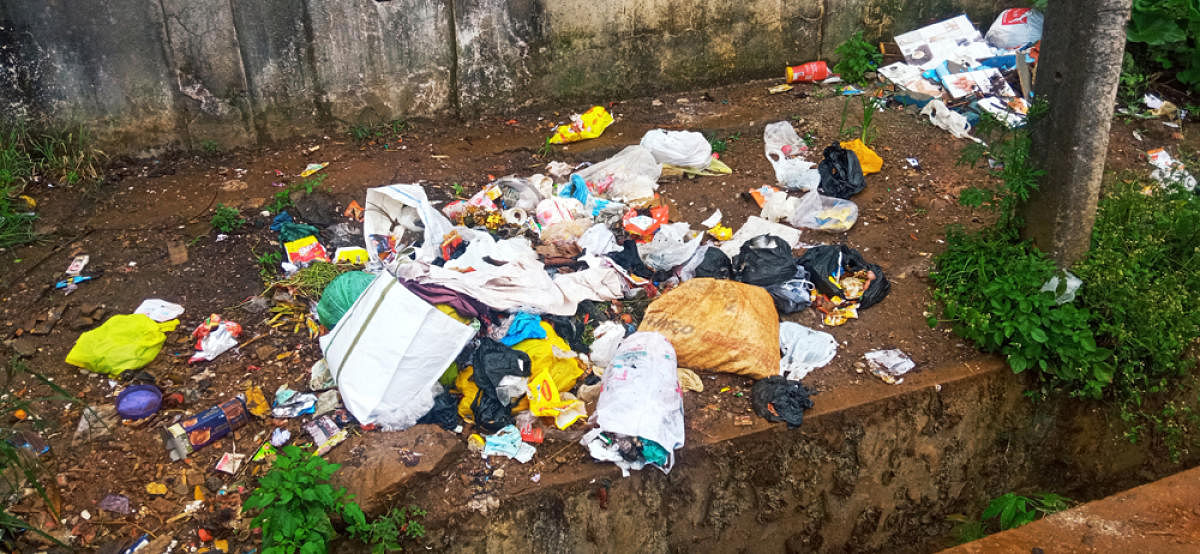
x=629 y=259
x=764 y=260
x=841 y=173
x=793 y=295
x=444 y=412
x=822 y=263
x=715 y=265
x=778 y=399
x=494 y=361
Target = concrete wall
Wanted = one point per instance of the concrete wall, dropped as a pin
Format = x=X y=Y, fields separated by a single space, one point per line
x=147 y=74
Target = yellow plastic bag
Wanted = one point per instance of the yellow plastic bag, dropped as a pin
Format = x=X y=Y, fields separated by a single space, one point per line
x=588 y=125
x=564 y=371
x=123 y=342
x=546 y=401
x=867 y=158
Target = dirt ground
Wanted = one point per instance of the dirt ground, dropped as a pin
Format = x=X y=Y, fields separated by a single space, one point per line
x=126 y=225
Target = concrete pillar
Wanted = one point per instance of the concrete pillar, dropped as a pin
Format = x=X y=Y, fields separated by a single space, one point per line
x=1083 y=43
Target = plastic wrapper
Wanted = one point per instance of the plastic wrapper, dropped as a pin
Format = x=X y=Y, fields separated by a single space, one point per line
x=214 y=337
x=949 y=120
x=889 y=365
x=587 y=125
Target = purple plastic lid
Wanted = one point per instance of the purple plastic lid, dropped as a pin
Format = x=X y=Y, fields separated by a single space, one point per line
x=139 y=401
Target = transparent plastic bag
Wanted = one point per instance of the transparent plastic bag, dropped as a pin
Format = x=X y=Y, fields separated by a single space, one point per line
x=630 y=176
x=823 y=213
x=783 y=149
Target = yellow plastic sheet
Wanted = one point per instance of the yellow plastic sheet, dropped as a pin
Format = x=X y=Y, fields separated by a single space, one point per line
x=589 y=125
x=867 y=158
x=123 y=342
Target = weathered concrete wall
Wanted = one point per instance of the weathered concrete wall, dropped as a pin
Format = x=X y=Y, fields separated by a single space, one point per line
x=864 y=473
x=153 y=73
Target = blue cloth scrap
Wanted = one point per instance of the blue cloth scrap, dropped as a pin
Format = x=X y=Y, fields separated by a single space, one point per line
x=524 y=326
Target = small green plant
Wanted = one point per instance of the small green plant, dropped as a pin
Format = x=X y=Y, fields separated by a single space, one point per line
x=226 y=219
x=866 y=131
x=809 y=139
x=310 y=184
x=296 y=501
x=267 y=262
x=361 y=133
x=1012 y=510
x=458 y=189
x=1163 y=33
x=386 y=532
x=210 y=146
x=545 y=150
x=365 y=132
x=20 y=467
x=718 y=145
x=857 y=57
x=296 y=508
x=282 y=200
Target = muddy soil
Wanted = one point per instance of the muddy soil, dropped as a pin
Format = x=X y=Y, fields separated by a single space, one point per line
x=125 y=227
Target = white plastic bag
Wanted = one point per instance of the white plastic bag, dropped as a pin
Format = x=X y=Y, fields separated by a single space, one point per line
x=608 y=337
x=217 y=342
x=385 y=219
x=803 y=350
x=1015 y=27
x=1073 y=284
x=641 y=396
x=388 y=351
x=681 y=148
x=783 y=149
x=778 y=205
x=630 y=177
x=669 y=248
x=598 y=240
x=953 y=122
x=824 y=213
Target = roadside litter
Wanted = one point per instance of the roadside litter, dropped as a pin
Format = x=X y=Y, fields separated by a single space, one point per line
x=889 y=365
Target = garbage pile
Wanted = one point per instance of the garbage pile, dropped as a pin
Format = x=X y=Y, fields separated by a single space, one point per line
x=952 y=73
x=568 y=304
